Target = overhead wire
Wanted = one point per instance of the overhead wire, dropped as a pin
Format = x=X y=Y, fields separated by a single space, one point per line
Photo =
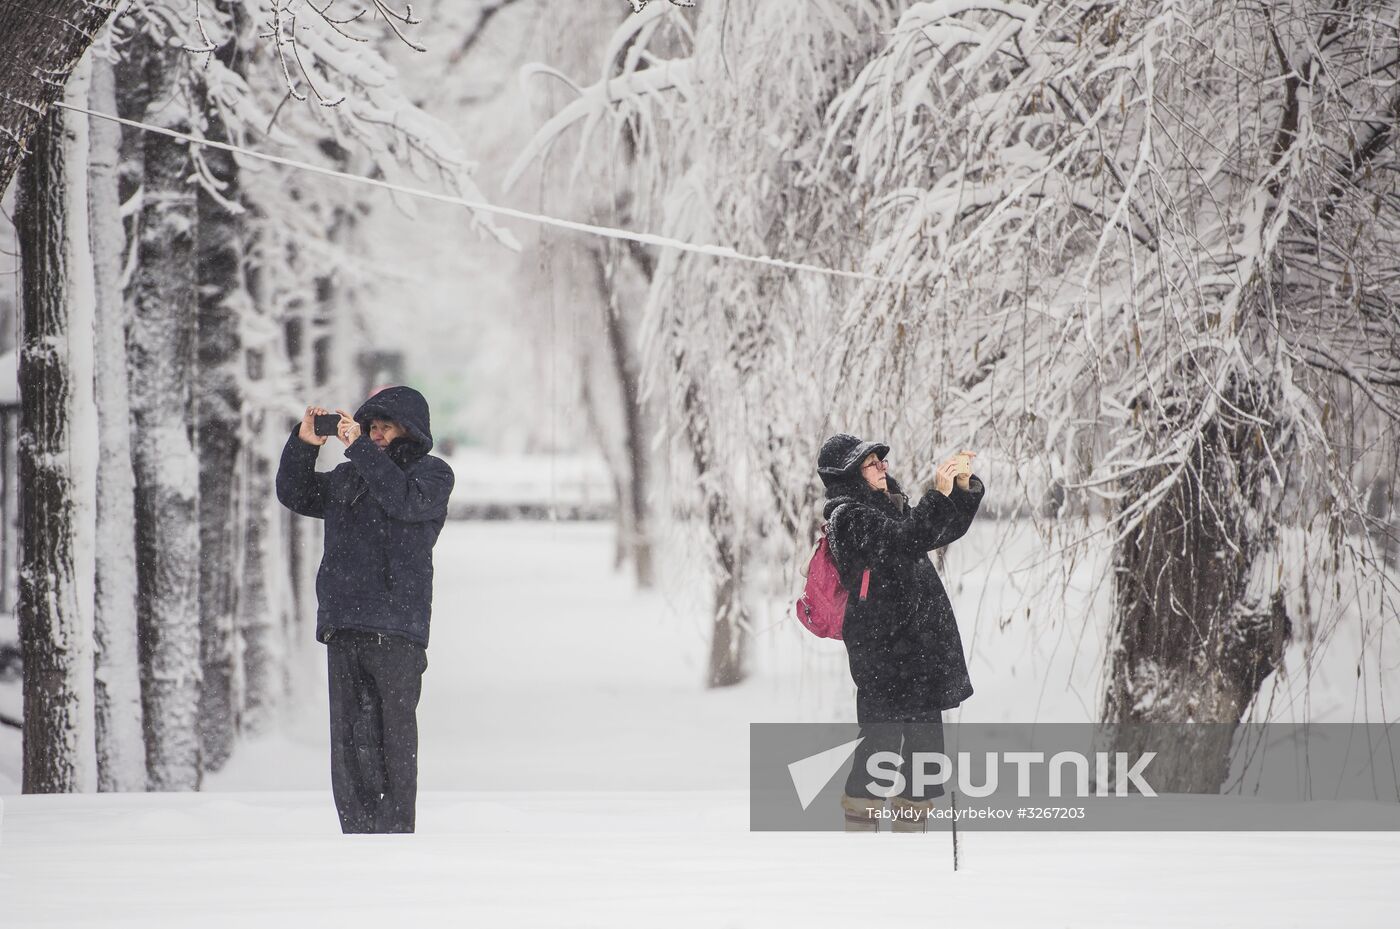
x=644 y=238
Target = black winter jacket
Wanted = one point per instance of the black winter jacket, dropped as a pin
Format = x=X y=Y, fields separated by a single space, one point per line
x=902 y=641
x=383 y=512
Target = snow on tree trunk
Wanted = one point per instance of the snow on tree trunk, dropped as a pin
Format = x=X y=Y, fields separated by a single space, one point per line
x=161 y=352
x=41 y=42
x=223 y=296
x=1199 y=611
x=58 y=459
x=121 y=764
x=223 y=299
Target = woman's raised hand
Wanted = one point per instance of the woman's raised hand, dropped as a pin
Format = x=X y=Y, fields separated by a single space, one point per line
x=943 y=479
x=957 y=468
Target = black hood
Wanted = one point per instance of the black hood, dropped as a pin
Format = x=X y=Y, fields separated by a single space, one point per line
x=405 y=406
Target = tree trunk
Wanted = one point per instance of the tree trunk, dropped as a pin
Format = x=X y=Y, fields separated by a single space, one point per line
x=9 y=517
x=218 y=407
x=1200 y=622
x=264 y=598
x=121 y=762
x=223 y=296
x=304 y=535
x=1380 y=506
x=41 y=42
x=632 y=499
x=161 y=352
x=589 y=404
x=57 y=458
x=339 y=325
x=258 y=621
x=728 y=638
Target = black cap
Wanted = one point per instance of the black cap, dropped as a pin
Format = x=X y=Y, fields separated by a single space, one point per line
x=842 y=454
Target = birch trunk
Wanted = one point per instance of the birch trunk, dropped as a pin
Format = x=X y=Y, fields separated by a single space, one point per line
x=161 y=352
x=120 y=760
x=57 y=457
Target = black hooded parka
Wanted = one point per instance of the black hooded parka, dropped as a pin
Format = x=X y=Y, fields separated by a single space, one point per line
x=383 y=510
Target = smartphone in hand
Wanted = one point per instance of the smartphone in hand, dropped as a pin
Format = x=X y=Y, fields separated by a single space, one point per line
x=326 y=423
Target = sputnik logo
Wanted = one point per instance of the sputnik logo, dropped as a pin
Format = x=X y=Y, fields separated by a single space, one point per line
x=809 y=775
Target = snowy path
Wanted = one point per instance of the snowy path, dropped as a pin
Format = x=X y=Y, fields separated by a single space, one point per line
x=574 y=773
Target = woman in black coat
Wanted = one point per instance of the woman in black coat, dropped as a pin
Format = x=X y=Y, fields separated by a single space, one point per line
x=901 y=637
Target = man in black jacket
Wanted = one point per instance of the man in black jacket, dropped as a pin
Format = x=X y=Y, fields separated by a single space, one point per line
x=383 y=509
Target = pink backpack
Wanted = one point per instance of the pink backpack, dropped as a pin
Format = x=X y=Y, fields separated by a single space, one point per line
x=822 y=606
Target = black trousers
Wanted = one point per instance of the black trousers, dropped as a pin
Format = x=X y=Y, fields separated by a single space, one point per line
x=375 y=682
x=904 y=734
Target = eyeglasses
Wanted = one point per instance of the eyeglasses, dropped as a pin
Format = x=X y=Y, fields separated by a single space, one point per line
x=879 y=463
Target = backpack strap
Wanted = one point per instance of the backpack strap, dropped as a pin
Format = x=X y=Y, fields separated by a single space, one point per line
x=864 y=575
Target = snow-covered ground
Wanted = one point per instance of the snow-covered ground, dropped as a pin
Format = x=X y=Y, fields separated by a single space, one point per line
x=574 y=772
x=647 y=860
